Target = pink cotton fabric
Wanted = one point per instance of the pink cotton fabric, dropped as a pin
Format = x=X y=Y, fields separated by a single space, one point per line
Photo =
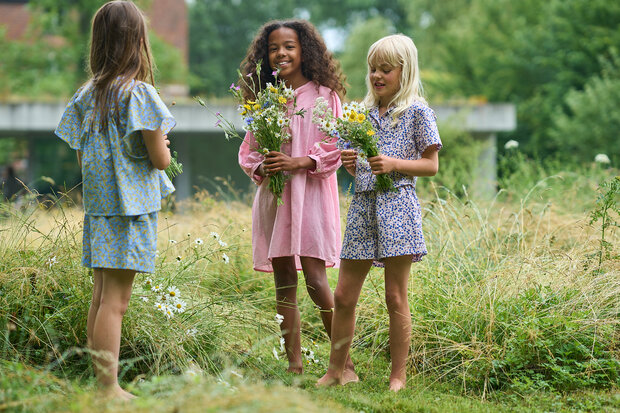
x=308 y=223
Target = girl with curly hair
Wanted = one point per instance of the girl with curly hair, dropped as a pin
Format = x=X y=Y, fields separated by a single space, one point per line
x=304 y=232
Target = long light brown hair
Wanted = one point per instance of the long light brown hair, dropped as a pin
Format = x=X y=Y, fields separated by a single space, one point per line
x=119 y=54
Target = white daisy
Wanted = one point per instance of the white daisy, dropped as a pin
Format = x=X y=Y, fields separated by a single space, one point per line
x=275 y=353
x=148 y=283
x=279 y=318
x=179 y=306
x=173 y=241
x=222 y=243
x=225 y=258
x=214 y=235
x=199 y=241
x=173 y=291
x=169 y=312
x=281 y=343
x=156 y=288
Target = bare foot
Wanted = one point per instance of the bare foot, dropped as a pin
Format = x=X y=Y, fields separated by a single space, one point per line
x=295 y=370
x=328 y=380
x=397 y=384
x=116 y=392
x=349 y=376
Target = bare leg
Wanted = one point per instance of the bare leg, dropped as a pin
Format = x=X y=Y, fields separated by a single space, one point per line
x=396 y=279
x=106 y=337
x=285 y=277
x=94 y=308
x=319 y=291
x=350 y=280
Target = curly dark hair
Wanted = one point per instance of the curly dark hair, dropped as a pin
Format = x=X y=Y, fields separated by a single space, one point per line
x=318 y=65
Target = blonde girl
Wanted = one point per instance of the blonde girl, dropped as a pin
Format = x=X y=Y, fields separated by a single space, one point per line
x=118 y=125
x=384 y=229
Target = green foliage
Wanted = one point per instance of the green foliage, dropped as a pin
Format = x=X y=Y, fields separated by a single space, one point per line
x=353 y=59
x=528 y=52
x=607 y=210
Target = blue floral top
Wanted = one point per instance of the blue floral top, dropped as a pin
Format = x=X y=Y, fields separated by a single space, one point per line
x=415 y=131
x=117 y=175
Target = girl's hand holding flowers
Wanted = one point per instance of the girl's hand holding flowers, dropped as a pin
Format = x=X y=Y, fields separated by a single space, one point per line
x=382 y=164
x=349 y=159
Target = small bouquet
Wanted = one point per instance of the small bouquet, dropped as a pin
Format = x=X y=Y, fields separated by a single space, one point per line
x=267 y=116
x=353 y=131
x=175 y=168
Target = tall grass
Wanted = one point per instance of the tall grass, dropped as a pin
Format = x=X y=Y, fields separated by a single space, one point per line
x=505 y=300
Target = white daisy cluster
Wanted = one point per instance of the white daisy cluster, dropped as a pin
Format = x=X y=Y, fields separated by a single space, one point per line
x=511 y=144
x=602 y=158
x=309 y=355
x=167 y=300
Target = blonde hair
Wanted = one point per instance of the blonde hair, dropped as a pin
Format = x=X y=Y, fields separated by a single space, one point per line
x=396 y=50
x=119 y=54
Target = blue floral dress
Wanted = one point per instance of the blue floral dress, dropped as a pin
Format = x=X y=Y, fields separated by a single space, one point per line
x=389 y=224
x=122 y=191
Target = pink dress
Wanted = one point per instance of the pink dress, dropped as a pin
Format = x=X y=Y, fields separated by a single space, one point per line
x=308 y=223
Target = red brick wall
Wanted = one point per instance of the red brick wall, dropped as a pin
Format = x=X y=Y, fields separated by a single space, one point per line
x=168 y=19
x=14 y=18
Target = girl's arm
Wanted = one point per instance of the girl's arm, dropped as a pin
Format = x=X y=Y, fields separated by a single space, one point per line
x=427 y=165
x=278 y=161
x=157 y=147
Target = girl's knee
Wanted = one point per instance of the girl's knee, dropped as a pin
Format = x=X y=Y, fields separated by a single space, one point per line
x=343 y=300
x=396 y=300
x=117 y=305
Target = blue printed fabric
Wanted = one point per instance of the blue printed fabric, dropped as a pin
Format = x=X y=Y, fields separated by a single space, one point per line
x=384 y=224
x=415 y=131
x=120 y=242
x=117 y=175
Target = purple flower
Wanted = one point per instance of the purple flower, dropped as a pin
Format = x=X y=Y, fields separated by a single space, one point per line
x=346 y=145
x=232 y=86
x=274 y=73
x=249 y=75
x=218 y=122
x=218 y=113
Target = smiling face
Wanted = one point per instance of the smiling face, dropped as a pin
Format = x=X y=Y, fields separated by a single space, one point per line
x=385 y=81
x=285 y=54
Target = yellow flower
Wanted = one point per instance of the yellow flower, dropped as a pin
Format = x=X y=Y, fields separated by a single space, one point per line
x=360 y=117
x=248 y=107
x=256 y=107
x=282 y=99
x=273 y=89
x=370 y=132
x=251 y=102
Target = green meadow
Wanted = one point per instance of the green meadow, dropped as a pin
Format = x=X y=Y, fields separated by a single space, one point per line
x=516 y=308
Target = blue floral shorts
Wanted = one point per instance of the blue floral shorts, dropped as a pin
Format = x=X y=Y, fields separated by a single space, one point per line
x=120 y=242
x=384 y=224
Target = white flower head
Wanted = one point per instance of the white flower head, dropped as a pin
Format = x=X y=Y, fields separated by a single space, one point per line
x=275 y=353
x=179 y=258
x=214 y=235
x=225 y=258
x=222 y=243
x=148 y=283
x=192 y=332
x=51 y=261
x=173 y=241
x=145 y=299
x=511 y=144
x=160 y=306
x=173 y=292
x=179 y=306
x=281 y=343
x=156 y=288
x=199 y=241
x=602 y=158
x=279 y=318
x=168 y=312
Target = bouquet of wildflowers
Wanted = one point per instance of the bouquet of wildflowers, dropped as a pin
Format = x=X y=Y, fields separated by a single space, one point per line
x=175 y=168
x=267 y=116
x=353 y=130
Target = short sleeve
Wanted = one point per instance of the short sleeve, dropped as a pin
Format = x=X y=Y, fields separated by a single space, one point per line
x=146 y=111
x=70 y=126
x=425 y=129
